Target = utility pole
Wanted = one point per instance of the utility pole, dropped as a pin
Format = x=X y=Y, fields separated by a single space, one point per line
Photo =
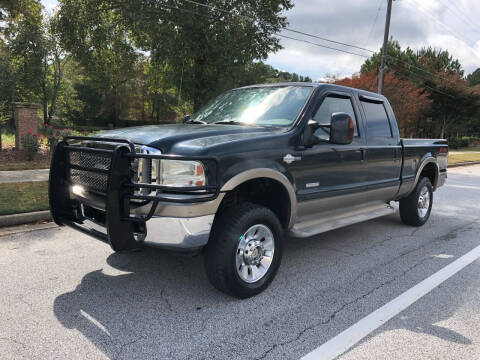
x=384 y=48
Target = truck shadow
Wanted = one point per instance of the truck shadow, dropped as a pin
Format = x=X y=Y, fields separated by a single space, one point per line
x=152 y=301
x=131 y=299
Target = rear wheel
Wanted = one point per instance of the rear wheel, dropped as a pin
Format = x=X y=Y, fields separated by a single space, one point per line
x=415 y=208
x=244 y=251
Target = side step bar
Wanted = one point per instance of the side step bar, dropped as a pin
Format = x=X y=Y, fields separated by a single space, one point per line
x=326 y=222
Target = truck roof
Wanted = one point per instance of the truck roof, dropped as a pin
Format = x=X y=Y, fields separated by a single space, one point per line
x=316 y=84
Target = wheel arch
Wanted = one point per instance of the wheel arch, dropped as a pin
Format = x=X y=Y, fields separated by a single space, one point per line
x=266 y=174
x=429 y=168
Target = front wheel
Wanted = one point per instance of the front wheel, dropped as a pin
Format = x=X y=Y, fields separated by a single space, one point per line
x=415 y=208
x=244 y=250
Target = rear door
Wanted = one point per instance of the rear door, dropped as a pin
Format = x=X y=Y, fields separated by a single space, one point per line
x=384 y=151
x=330 y=175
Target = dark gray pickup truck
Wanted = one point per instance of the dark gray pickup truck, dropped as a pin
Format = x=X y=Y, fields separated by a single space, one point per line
x=255 y=166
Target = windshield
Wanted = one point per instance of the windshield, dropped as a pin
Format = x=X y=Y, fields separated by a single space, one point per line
x=266 y=106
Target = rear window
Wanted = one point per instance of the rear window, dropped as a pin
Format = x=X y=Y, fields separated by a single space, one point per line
x=378 y=124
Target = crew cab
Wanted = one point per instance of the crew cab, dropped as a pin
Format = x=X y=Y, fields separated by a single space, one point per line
x=254 y=167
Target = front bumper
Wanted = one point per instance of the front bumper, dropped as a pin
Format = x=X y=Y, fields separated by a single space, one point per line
x=170 y=233
x=98 y=197
x=179 y=233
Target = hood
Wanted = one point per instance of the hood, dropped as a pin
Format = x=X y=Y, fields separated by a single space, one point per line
x=165 y=137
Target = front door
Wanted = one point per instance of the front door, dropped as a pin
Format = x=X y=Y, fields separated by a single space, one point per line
x=330 y=176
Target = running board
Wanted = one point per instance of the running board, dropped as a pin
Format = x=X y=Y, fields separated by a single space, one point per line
x=344 y=218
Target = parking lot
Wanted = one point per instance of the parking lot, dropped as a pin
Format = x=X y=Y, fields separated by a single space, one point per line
x=65 y=295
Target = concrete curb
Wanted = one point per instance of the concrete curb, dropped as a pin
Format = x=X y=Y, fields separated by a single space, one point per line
x=25 y=218
x=464 y=164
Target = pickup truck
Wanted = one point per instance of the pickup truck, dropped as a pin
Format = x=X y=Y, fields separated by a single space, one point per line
x=254 y=167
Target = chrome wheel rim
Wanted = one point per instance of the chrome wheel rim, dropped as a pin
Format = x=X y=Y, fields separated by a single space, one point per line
x=423 y=202
x=254 y=254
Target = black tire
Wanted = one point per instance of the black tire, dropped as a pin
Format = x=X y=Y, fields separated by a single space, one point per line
x=221 y=251
x=409 y=212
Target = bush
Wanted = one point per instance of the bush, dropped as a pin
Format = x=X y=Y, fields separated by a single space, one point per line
x=54 y=135
x=462 y=142
x=30 y=143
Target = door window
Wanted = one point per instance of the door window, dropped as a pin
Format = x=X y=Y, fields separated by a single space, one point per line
x=330 y=105
x=378 y=124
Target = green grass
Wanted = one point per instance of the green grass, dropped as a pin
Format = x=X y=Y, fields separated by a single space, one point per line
x=23 y=197
x=473 y=148
x=466 y=157
x=8 y=140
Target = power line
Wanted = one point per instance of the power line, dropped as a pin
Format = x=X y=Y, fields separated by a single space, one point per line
x=418 y=68
x=286 y=29
x=459 y=16
x=445 y=26
x=292 y=30
x=467 y=17
x=325 y=39
x=323 y=46
x=374 y=22
x=309 y=42
x=424 y=78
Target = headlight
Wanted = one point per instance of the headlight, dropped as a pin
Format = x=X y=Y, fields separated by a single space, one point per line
x=147 y=170
x=181 y=173
x=175 y=173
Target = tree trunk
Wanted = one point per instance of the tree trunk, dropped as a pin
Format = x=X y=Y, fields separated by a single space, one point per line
x=115 y=108
x=44 y=90
x=200 y=96
x=444 y=123
x=56 y=86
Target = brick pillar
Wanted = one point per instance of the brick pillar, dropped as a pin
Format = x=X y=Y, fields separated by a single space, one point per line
x=26 y=117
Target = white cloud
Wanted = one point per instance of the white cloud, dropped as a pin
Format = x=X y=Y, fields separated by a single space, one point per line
x=351 y=21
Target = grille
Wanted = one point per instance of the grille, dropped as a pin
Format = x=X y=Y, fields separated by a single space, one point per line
x=89 y=179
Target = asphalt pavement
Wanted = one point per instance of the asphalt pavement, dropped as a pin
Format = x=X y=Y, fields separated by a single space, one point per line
x=64 y=295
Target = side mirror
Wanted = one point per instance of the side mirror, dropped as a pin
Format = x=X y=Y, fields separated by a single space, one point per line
x=186 y=119
x=341 y=129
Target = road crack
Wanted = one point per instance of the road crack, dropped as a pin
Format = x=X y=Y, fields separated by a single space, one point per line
x=450 y=235
x=127 y=344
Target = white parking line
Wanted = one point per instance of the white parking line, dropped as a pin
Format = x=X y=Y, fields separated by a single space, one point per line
x=346 y=339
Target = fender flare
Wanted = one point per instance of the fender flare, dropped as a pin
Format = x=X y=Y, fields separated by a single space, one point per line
x=269 y=174
x=425 y=162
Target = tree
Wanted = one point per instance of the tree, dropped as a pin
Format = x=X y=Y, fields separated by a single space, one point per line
x=454 y=105
x=474 y=78
x=22 y=45
x=207 y=44
x=54 y=61
x=441 y=75
x=409 y=102
x=95 y=35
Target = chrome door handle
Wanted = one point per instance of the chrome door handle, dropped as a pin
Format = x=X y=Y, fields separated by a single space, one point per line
x=289 y=158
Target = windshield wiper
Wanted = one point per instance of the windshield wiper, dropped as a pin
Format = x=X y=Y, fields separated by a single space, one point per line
x=194 y=121
x=231 y=122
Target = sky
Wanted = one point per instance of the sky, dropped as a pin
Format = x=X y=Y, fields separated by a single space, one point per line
x=442 y=24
